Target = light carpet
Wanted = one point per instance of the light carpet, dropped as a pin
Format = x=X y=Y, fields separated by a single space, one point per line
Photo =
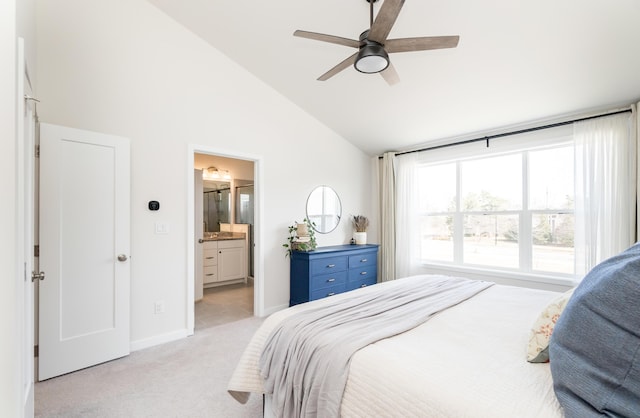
x=186 y=378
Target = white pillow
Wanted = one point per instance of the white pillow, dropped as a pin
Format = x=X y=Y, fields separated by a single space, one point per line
x=538 y=348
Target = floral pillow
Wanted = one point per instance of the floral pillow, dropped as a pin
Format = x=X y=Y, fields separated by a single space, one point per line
x=538 y=348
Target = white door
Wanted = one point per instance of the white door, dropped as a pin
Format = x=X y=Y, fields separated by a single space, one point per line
x=84 y=249
x=198 y=216
x=25 y=160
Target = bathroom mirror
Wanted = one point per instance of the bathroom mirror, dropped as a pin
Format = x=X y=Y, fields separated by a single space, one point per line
x=216 y=204
x=324 y=209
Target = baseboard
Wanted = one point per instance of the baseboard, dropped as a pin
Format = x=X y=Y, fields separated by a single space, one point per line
x=158 y=339
x=225 y=283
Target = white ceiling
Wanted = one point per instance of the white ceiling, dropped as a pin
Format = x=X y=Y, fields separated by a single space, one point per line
x=517 y=62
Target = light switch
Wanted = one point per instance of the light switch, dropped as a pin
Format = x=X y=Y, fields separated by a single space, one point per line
x=162 y=227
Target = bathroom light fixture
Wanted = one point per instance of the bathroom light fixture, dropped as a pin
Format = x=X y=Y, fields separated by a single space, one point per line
x=210 y=173
x=213 y=173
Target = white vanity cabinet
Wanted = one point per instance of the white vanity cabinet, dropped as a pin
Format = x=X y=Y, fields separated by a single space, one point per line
x=231 y=260
x=224 y=260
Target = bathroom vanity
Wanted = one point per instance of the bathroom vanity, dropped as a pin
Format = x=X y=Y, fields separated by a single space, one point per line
x=224 y=258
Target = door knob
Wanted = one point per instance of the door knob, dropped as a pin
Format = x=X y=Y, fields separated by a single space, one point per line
x=37 y=276
x=122 y=257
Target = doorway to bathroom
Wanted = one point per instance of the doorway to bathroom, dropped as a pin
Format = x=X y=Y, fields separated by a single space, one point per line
x=227 y=285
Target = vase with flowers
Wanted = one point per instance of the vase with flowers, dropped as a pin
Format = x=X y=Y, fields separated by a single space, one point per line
x=360 y=223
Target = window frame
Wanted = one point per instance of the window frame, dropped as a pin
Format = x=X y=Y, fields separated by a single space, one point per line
x=525 y=217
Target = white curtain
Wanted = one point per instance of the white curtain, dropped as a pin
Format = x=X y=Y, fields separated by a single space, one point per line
x=407 y=223
x=387 y=218
x=605 y=201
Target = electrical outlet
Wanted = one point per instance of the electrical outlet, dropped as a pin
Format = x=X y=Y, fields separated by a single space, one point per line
x=158 y=307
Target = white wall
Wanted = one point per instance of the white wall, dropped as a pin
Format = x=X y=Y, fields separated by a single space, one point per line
x=123 y=67
x=10 y=337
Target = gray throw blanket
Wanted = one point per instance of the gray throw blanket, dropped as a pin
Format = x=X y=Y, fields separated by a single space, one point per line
x=305 y=361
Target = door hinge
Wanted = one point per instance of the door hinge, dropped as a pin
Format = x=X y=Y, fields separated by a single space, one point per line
x=36 y=351
x=36 y=251
x=37 y=151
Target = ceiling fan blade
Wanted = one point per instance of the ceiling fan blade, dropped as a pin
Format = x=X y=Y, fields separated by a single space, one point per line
x=390 y=75
x=327 y=38
x=335 y=70
x=387 y=16
x=421 y=44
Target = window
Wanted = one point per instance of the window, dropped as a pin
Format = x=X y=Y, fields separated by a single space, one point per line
x=551 y=197
x=510 y=211
x=544 y=204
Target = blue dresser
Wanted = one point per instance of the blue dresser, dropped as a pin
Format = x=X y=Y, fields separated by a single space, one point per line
x=327 y=271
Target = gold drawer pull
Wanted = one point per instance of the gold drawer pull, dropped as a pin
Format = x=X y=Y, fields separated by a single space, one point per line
x=364 y=260
x=331 y=280
x=331 y=294
x=209 y=274
x=363 y=273
x=330 y=266
x=210 y=258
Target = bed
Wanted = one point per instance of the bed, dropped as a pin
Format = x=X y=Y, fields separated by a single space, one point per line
x=471 y=359
x=477 y=347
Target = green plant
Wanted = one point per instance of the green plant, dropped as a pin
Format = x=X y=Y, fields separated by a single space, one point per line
x=360 y=223
x=293 y=244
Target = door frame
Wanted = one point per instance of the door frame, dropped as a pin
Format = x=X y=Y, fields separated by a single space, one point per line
x=25 y=220
x=258 y=256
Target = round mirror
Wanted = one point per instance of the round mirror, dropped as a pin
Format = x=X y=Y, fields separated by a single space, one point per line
x=324 y=209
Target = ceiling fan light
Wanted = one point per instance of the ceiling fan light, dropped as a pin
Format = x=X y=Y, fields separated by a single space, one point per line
x=372 y=58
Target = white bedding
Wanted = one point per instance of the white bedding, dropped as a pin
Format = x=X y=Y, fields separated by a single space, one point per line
x=469 y=361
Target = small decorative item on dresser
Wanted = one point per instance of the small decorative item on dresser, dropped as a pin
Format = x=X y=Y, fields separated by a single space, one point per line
x=360 y=223
x=302 y=230
x=301 y=237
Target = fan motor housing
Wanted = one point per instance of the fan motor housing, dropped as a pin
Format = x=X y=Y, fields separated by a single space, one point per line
x=363 y=36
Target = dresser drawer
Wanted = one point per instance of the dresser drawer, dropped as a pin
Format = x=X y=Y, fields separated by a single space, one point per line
x=362 y=260
x=328 y=291
x=327 y=280
x=358 y=274
x=328 y=265
x=357 y=284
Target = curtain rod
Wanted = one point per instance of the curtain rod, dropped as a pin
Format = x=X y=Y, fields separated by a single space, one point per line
x=521 y=131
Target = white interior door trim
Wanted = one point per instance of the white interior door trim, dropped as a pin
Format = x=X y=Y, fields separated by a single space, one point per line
x=258 y=294
x=25 y=224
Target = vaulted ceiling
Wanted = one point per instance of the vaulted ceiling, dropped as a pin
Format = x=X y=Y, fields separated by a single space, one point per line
x=517 y=62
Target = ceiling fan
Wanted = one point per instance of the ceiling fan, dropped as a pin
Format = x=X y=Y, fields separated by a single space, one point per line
x=374 y=47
